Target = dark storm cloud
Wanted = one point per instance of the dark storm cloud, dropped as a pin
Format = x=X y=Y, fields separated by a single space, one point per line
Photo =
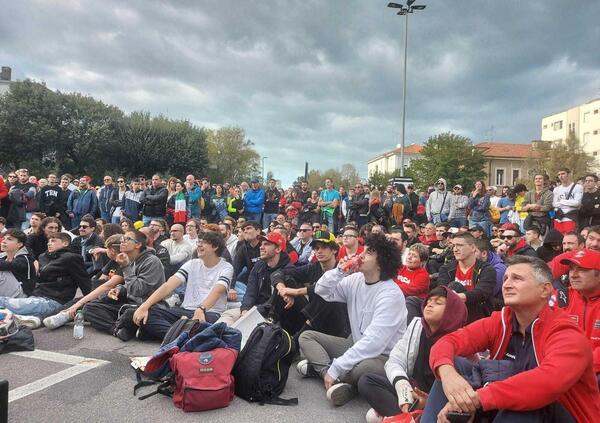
x=316 y=81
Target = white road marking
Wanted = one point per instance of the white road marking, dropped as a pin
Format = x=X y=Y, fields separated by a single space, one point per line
x=80 y=365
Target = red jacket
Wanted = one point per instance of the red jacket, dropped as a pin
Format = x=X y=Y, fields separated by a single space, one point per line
x=3 y=189
x=559 y=269
x=564 y=358
x=413 y=282
x=586 y=312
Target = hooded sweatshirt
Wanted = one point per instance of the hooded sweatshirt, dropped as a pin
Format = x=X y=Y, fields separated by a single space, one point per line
x=545 y=252
x=259 y=288
x=143 y=276
x=439 y=201
x=410 y=357
x=22 y=269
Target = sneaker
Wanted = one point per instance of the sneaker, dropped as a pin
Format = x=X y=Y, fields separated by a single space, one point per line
x=304 y=368
x=341 y=393
x=58 y=320
x=125 y=333
x=373 y=416
x=31 y=322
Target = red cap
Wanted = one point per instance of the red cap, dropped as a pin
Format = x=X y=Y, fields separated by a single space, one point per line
x=586 y=258
x=510 y=226
x=275 y=238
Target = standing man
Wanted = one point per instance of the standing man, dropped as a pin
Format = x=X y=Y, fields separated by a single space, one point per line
x=272 y=197
x=30 y=192
x=104 y=197
x=566 y=202
x=65 y=193
x=132 y=206
x=438 y=203
x=254 y=199
x=50 y=198
x=194 y=194
x=154 y=200
x=82 y=201
x=589 y=214
x=329 y=199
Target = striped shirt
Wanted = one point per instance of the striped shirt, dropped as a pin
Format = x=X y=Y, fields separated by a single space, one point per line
x=201 y=279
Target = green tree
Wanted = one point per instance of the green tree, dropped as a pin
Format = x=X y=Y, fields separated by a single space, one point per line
x=232 y=157
x=30 y=122
x=449 y=156
x=549 y=157
x=345 y=176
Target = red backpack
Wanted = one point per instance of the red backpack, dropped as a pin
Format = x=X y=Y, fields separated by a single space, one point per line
x=203 y=380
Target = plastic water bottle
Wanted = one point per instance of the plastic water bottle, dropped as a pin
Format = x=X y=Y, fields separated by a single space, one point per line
x=78 y=328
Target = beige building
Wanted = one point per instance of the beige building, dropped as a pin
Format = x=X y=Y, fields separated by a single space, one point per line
x=390 y=160
x=505 y=162
x=583 y=121
x=5 y=79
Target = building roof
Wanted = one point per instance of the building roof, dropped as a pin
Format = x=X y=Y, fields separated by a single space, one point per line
x=499 y=149
x=409 y=149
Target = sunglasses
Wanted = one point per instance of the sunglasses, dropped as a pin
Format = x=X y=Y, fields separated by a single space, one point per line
x=121 y=182
x=128 y=239
x=12 y=176
x=508 y=237
x=304 y=230
x=84 y=226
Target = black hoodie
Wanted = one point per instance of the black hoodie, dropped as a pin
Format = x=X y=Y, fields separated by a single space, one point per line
x=22 y=269
x=259 y=290
x=61 y=273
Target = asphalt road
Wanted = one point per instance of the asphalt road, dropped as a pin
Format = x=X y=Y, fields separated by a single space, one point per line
x=105 y=393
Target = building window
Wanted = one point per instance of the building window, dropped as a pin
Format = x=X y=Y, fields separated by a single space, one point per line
x=586 y=117
x=516 y=174
x=595 y=111
x=499 y=176
x=557 y=125
x=545 y=126
x=586 y=137
x=595 y=132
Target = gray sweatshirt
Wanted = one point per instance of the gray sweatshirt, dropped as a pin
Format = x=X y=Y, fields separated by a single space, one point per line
x=143 y=276
x=438 y=201
x=377 y=314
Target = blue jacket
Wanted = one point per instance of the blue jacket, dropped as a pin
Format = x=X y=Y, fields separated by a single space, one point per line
x=81 y=202
x=194 y=198
x=254 y=201
x=104 y=198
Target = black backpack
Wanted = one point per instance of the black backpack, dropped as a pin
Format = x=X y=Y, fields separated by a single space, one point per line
x=262 y=367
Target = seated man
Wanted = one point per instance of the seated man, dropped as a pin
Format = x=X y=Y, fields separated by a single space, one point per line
x=259 y=290
x=61 y=273
x=140 y=274
x=179 y=249
x=87 y=240
x=548 y=373
x=485 y=253
x=295 y=284
x=583 y=295
x=17 y=272
x=207 y=280
x=350 y=244
x=515 y=245
x=592 y=242
x=377 y=320
x=407 y=371
x=412 y=278
x=472 y=279
x=303 y=243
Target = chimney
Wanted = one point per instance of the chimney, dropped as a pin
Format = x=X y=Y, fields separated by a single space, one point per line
x=5 y=74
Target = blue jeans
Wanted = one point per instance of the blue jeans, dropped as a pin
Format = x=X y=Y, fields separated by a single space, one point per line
x=105 y=215
x=268 y=218
x=31 y=306
x=240 y=288
x=330 y=221
x=485 y=224
x=255 y=217
x=457 y=222
x=554 y=412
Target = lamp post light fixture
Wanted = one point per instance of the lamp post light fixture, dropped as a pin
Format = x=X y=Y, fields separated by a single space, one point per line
x=404 y=11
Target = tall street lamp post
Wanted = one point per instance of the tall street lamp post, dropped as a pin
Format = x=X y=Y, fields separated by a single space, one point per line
x=405 y=10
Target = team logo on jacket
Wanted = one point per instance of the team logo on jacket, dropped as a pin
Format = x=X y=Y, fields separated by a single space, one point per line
x=205 y=358
x=597 y=324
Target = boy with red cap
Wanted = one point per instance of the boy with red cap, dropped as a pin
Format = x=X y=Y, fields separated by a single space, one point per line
x=583 y=297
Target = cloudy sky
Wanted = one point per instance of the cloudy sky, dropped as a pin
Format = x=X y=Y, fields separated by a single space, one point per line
x=317 y=81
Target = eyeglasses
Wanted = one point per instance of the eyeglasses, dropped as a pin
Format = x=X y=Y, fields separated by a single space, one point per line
x=121 y=181
x=107 y=179
x=304 y=230
x=349 y=236
x=84 y=226
x=129 y=239
x=12 y=176
x=508 y=237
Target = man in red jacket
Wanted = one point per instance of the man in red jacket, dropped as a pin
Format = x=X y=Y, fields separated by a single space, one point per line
x=584 y=297
x=592 y=242
x=546 y=371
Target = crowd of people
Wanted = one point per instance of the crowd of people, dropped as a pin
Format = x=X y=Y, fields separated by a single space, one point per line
x=444 y=300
